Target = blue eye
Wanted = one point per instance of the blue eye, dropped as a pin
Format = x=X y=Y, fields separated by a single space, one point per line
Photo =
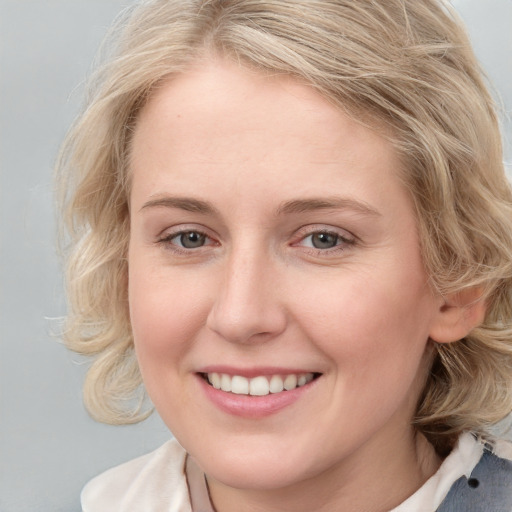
x=189 y=239
x=323 y=240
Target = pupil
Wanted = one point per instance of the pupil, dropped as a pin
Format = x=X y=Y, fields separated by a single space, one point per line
x=324 y=240
x=192 y=240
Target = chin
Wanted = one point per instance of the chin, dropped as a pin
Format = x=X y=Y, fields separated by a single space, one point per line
x=255 y=477
x=255 y=470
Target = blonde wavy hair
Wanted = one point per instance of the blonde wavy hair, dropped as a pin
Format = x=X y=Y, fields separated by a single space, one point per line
x=405 y=68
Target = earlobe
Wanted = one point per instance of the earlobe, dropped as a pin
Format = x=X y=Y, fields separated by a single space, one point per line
x=458 y=314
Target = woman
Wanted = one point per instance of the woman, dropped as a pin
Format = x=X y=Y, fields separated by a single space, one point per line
x=290 y=221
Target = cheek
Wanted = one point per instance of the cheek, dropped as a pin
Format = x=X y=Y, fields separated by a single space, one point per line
x=371 y=326
x=165 y=312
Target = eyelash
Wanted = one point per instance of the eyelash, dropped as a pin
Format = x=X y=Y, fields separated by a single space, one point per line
x=342 y=242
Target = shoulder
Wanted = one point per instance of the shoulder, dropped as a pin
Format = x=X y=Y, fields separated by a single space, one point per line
x=155 y=482
x=488 y=487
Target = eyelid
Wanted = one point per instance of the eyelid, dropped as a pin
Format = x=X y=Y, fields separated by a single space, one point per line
x=311 y=229
x=183 y=228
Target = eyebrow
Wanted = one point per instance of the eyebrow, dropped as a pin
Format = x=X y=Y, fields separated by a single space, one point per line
x=188 y=204
x=329 y=203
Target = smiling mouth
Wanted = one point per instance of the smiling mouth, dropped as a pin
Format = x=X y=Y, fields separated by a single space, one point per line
x=258 y=386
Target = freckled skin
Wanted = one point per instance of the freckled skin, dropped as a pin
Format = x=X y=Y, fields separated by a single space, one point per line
x=263 y=291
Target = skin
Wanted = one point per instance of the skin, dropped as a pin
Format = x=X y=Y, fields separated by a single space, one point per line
x=257 y=159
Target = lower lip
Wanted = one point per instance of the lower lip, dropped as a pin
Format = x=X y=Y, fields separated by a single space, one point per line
x=248 y=406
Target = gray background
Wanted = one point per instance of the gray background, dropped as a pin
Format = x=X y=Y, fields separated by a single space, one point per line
x=49 y=447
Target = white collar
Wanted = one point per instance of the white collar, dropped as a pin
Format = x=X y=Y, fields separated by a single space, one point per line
x=461 y=461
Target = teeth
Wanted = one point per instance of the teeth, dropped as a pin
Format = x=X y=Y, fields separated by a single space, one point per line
x=276 y=384
x=258 y=386
x=290 y=382
x=215 y=380
x=239 y=385
x=225 y=383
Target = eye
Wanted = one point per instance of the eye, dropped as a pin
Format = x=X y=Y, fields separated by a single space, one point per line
x=189 y=239
x=185 y=240
x=323 y=240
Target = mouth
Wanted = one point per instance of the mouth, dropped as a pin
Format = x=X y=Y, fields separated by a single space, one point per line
x=261 y=385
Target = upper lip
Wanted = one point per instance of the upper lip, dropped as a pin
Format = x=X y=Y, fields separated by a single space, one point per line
x=254 y=371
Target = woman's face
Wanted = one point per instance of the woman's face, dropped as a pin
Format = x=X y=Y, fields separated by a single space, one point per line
x=273 y=244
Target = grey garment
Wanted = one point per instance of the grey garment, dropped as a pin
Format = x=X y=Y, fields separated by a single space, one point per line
x=488 y=488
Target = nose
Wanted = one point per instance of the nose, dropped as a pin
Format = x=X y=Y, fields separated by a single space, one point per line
x=247 y=307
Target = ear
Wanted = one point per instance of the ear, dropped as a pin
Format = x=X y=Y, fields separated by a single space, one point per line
x=458 y=314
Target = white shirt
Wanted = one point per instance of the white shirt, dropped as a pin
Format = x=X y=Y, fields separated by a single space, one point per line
x=166 y=480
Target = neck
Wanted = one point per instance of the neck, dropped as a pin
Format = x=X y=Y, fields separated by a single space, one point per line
x=373 y=480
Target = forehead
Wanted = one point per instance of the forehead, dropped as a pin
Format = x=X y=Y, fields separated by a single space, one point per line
x=222 y=121
x=220 y=96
